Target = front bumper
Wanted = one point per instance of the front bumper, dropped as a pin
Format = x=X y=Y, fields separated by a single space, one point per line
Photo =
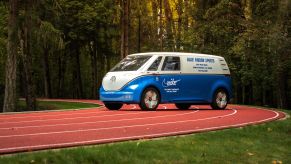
x=116 y=96
x=123 y=96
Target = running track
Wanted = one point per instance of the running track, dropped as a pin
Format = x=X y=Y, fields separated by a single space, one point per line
x=56 y=129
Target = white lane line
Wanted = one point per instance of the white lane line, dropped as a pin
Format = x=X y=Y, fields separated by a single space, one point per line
x=56 y=114
x=94 y=122
x=132 y=137
x=57 y=119
x=119 y=127
x=41 y=120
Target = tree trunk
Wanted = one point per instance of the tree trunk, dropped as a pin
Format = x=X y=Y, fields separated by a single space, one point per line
x=283 y=56
x=122 y=30
x=27 y=57
x=289 y=90
x=10 y=97
x=161 y=30
x=77 y=70
x=46 y=74
x=243 y=94
x=155 y=34
x=282 y=89
x=169 y=22
x=139 y=28
x=27 y=63
x=61 y=74
x=100 y=67
x=93 y=51
x=180 y=12
x=186 y=13
x=125 y=28
x=79 y=76
x=264 y=95
x=106 y=54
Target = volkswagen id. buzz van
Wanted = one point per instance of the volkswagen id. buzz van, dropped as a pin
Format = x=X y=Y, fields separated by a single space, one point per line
x=149 y=79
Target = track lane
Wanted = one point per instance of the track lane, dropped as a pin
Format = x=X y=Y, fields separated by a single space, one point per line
x=109 y=132
x=122 y=125
x=53 y=112
x=111 y=123
x=86 y=122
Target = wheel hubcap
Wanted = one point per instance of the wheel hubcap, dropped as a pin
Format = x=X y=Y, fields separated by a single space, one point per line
x=221 y=99
x=150 y=99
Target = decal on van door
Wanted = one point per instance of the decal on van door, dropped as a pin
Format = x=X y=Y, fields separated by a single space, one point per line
x=171 y=85
x=171 y=82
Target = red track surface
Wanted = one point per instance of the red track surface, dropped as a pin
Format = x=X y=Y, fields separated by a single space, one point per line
x=36 y=131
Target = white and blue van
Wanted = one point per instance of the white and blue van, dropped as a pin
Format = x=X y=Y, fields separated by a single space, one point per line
x=149 y=79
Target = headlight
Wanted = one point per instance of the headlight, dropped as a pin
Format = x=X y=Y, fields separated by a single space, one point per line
x=133 y=87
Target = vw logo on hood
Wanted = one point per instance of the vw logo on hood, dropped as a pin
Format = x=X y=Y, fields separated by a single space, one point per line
x=113 y=79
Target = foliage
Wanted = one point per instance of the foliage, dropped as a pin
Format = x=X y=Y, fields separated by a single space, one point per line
x=262 y=51
x=75 y=43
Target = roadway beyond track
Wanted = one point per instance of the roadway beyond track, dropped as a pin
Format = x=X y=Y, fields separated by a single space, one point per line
x=57 y=129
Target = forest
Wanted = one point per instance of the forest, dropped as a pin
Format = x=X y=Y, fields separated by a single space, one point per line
x=63 y=48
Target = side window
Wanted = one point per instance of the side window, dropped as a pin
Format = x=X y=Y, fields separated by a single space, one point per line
x=155 y=64
x=171 y=64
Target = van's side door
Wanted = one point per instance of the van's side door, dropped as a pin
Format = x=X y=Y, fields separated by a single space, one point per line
x=179 y=86
x=171 y=79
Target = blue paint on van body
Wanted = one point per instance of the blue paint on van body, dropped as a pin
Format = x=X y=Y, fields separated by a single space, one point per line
x=173 y=88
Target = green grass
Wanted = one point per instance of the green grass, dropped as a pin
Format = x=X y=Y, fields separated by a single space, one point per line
x=55 y=105
x=266 y=143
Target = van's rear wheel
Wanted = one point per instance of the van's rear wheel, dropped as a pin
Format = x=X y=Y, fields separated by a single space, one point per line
x=150 y=99
x=220 y=99
x=182 y=105
x=113 y=106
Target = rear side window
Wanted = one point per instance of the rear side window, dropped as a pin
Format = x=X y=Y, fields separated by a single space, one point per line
x=171 y=63
x=155 y=65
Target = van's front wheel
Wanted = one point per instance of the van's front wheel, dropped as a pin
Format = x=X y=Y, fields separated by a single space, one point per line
x=113 y=106
x=220 y=99
x=150 y=99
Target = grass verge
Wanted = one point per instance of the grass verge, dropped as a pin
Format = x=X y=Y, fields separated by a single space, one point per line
x=265 y=143
x=55 y=105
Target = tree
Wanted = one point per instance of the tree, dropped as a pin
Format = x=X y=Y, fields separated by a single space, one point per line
x=3 y=49
x=67 y=46
x=125 y=25
x=26 y=49
x=50 y=41
x=11 y=62
x=282 y=51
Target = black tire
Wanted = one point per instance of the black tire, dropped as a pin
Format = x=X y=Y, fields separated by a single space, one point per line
x=182 y=106
x=220 y=99
x=113 y=106
x=150 y=99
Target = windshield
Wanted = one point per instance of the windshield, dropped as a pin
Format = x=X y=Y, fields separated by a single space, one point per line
x=131 y=63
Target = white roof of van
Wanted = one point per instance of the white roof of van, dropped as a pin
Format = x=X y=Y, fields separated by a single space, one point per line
x=176 y=53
